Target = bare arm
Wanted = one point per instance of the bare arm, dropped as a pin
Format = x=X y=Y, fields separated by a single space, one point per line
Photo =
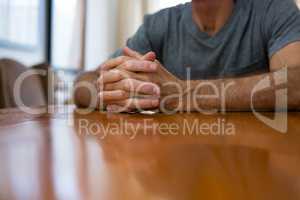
x=258 y=90
x=239 y=94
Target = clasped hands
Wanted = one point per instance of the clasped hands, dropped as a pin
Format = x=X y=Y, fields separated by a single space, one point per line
x=137 y=82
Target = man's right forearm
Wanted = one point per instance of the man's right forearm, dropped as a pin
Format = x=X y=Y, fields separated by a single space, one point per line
x=85 y=88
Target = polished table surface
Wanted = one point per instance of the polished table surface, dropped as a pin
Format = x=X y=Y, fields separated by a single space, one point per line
x=67 y=155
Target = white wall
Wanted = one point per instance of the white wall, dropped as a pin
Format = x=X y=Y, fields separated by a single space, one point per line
x=101 y=31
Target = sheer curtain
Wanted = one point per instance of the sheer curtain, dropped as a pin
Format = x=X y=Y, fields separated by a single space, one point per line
x=68 y=35
x=130 y=17
x=131 y=13
x=112 y=22
x=86 y=32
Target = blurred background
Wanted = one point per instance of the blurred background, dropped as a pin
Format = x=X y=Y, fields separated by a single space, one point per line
x=71 y=34
x=67 y=36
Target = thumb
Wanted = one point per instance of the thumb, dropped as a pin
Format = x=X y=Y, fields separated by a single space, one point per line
x=150 y=56
x=131 y=53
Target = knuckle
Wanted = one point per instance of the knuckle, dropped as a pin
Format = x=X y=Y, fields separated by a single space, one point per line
x=153 y=66
x=128 y=64
x=116 y=73
x=103 y=74
x=122 y=58
x=120 y=75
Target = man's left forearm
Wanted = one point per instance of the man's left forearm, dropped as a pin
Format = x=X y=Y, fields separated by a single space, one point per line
x=242 y=94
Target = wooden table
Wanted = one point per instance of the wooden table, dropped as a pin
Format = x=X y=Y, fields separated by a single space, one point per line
x=102 y=156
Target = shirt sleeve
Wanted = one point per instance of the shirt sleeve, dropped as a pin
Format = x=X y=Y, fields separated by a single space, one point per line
x=282 y=24
x=150 y=35
x=138 y=42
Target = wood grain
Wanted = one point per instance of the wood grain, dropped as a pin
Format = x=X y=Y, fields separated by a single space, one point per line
x=66 y=155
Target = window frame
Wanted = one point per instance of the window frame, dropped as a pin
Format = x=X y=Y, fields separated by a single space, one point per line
x=42 y=33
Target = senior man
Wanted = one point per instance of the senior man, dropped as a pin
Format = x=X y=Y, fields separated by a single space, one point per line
x=204 y=55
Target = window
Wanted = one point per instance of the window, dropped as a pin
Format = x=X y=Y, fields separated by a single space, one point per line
x=19 y=22
x=156 y=5
x=22 y=30
x=169 y=3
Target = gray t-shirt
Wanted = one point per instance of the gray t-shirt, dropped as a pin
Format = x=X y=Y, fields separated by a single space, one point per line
x=254 y=32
